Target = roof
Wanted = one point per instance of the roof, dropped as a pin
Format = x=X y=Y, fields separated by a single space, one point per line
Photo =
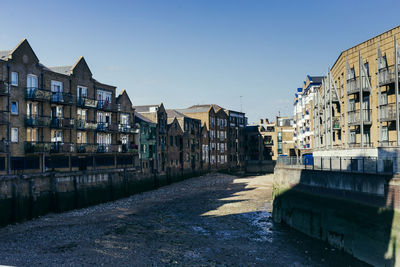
x=142 y=118
x=315 y=79
x=66 y=70
x=4 y=54
x=172 y=113
x=145 y=108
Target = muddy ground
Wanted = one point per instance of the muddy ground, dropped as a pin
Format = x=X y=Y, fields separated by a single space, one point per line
x=213 y=220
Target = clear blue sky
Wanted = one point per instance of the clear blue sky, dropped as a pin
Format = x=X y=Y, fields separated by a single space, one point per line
x=194 y=52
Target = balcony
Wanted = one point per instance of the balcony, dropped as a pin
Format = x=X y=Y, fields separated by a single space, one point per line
x=50 y=147
x=62 y=123
x=37 y=121
x=4 y=88
x=386 y=76
x=388 y=112
x=86 y=102
x=97 y=148
x=353 y=117
x=62 y=98
x=36 y=94
x=106 y=127
x=4 y=117
x=354 y=83
x=336 y=124
x=126 y=128
x=129 y=148
x=106 y=105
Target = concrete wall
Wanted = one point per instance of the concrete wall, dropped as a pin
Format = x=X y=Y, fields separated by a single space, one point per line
x=259 y=166
x=354 y=212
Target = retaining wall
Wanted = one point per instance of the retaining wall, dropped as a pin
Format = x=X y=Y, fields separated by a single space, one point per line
x=27 y=196
x=352 y=211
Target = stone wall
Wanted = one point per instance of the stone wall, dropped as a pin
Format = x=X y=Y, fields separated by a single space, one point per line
x=353 y=211
x=27 y=196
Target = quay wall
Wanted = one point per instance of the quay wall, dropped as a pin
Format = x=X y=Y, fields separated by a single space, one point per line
x=355 y=212
x=27 y=196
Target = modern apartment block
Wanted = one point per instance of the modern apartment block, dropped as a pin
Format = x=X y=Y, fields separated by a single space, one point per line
x=216 y=121
x=303 y=115
x=158 y=115
x=57 y=117
x=357 y=107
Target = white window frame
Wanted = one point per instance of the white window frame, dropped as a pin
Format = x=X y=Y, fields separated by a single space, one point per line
x=29 y=81
x=14 y=78
x=17 y=104
x=14 y=135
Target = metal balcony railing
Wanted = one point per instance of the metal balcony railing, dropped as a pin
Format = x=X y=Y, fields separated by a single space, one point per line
x=388 y=112
x=386 y=76
x=4 y=117
x=353 y=85
x=37 y=121
x=4 y=88
x=62 y=98
x=86 y=102
x=36 y=94
x=50 y=147
x=354 y=116
x=106 y=105
x=62 y=123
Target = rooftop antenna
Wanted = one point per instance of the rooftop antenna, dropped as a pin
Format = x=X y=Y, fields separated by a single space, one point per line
x=241 y=103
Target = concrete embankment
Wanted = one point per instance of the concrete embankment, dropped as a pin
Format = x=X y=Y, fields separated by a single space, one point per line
x=352 y=211
x=31 y=195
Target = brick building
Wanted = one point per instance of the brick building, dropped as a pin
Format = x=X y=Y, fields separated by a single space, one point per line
x=158 y=115
x=56 y=117
x=216 y=121
x=236 y=144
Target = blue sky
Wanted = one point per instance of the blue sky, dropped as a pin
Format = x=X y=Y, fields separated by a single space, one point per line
x=195 y=52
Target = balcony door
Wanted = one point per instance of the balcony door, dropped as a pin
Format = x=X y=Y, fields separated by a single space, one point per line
x=82 y=92
x=32 y=81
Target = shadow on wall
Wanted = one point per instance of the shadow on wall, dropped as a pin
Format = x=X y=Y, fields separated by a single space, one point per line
x=353 y=211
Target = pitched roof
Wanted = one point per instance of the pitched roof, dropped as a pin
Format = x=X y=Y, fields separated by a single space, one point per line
x=142 y=118
x=4 y=54
x=66 y=70
x=172 y=113
x=145 y=108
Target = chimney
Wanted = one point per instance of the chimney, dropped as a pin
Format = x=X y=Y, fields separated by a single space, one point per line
x=261 y=121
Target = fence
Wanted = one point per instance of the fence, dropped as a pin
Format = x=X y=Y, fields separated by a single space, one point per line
x=382 y=165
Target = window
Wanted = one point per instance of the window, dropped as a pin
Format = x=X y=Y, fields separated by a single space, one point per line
x=14 y=107
x=31 y=135
x=171 y=140
x=82 y=92
x=124 y=119
x=385 y=135
x=31 y=109
x=14 y=135
x=56 y=136
x=32 y=81
x=81 y=114
x=14 y=78
x=81 y=137
x=352 y=137
x=56 y=86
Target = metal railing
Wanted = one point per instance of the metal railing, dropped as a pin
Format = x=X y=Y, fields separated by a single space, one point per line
x=382 y=165
x=354 y=116
x=388 y=112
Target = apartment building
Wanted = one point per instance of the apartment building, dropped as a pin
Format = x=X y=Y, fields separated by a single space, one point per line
x=303 y=115
x=254 y=149
x=269 y=137
x=205 y=148
x=175 y=147
x=285 y=145
x=148 y=143
x=55 y=117
x=236 y=146
x=356 y=108
x=158 y=115
x=216 y=121
x=191 y=140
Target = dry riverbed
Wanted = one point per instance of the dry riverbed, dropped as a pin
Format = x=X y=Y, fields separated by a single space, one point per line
x=213 y=220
